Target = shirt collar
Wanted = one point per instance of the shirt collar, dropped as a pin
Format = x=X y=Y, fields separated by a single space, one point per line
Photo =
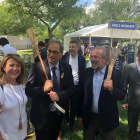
x=6 y=45
x=103 y=70
x=73 y=57
x=50 y=65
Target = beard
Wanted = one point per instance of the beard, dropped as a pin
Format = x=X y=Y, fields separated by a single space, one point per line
x=97 y=65
x=94 y=65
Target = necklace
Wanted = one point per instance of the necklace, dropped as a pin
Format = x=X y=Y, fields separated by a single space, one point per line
x=20 y=122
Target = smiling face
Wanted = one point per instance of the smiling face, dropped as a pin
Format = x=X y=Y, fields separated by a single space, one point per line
x=54 y=54
x=97 y=60
x=73 y=49
x=12 y=69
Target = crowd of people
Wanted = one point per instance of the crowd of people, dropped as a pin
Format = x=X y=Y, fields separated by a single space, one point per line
x=85 y=93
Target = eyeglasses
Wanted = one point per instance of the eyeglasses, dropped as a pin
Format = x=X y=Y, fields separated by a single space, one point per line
x=95 y=56
x=12 y=54
x=53 y=52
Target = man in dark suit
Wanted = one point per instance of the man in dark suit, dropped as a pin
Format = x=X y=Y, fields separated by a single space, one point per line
x=97 y=108
x=131 y=103
x=80 y=50
x=45 y=117
x=77 y=63
x=42 y=50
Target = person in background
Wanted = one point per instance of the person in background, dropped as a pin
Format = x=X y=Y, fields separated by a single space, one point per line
x=97 y=105
x=123 y=59
x=13 y=118
x=82 y=48
x=45 y=117
x=77 y=63
x=6 y=46
x=117 y=45
x=46 y=42
x=120 y=57
x=87 y=50
x=91 y=47
x=131 y=104
x=42 y=50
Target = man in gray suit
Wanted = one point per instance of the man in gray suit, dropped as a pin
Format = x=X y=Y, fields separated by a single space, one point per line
x=132 y=100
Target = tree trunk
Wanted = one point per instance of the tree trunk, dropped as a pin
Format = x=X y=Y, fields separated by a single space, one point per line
x=50 y=34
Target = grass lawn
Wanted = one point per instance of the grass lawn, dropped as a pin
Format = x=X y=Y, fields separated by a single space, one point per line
x=121 y=131
x=27 y=52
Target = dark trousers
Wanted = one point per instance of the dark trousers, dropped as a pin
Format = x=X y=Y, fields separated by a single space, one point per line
x=93 y=126
x=133 y=116
x=50 y=130
x=73 y=107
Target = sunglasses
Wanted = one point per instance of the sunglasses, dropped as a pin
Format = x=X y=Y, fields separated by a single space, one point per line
x=12 y=54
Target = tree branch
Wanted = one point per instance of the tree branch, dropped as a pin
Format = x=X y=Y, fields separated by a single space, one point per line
x=57 y=23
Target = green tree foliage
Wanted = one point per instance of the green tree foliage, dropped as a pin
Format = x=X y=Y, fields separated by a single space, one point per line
x=115 y=10
x=48 y=11
x=74 y=24
x=13 y=23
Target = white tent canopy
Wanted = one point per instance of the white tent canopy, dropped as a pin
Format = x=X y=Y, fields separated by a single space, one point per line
x=101 y=31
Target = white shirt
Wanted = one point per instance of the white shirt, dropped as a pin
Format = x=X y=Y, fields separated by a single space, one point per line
x=9 y=49
x=97 y=83
x=74 y=65
x=57 y=72
x=138 y=65
x=9 y=118
x=89 y=64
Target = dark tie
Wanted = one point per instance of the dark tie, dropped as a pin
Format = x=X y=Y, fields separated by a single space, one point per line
x=55 y=81
x=55 y=86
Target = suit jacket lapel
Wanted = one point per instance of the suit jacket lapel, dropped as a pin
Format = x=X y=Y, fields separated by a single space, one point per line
x=79 y=61
x=67 y=58
x=61 y=73
x=47 y=68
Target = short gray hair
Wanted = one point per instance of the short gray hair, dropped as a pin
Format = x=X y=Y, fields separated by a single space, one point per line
x=105 y=51
x=57 y=41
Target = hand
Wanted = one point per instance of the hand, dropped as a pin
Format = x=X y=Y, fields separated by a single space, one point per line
x=125 y=106
x=48 y=85
x=108 y=83
x=1 y=136
x=0 y=109
x=79 y=120
x=53 y=96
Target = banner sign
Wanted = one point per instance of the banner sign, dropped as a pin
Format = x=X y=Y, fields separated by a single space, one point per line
x=130 y=57
x=122 y=25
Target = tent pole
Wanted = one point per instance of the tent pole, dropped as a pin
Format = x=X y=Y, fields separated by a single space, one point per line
x=90 y=39
x=111 y=41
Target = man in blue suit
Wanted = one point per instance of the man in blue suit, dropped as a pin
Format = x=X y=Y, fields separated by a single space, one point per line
x=97 y=108
x=77 y=63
